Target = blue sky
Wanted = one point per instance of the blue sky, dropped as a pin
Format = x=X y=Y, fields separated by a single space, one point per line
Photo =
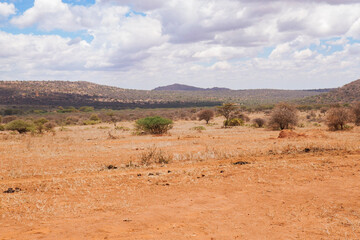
x=140 y=44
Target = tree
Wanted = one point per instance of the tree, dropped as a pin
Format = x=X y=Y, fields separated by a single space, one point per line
x=226 y=110
x=283 y=116
x=336 y=118
x=206 y=115
x=356 y=112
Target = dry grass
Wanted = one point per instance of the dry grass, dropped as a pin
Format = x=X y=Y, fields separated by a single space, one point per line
x=305 y=187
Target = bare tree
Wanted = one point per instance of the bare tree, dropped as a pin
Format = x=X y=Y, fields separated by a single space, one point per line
x=283 y=116
x=206 y=115
x=336 y=118
x=356 y=112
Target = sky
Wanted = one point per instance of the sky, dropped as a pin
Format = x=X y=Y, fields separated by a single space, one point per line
x=142 y=44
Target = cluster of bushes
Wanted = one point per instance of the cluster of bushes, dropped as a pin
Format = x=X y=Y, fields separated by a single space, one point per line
x=23 y=126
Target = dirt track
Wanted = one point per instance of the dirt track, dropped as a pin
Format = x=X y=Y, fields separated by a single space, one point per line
x=286 y=192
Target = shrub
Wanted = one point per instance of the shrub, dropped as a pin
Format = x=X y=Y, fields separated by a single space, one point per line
x=154 y=125
x=233 y=122
x=67 y=110
x=260 y=122
x=49 y=126
x=0 y=119
x=86 y=109
x=8 y=119
x=122 y=128
x=283 y=116
x=39 y=124
x=356 y=112
x=71 y=120
x=206 y=115
x=154 y=155
x=20 y=125
x=91 y=122
x=2 y=128
x=241 y=116
x=226 y=110
x=94 y=117
x=336 y=118
x=198 y=128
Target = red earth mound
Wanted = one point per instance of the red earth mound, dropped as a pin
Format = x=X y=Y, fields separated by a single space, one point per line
x=290 y=134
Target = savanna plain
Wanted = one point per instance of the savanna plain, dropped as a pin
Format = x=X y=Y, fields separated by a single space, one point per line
x=95 y=182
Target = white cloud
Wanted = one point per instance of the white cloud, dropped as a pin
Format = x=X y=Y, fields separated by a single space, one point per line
x=202 y=41
x=6 y=9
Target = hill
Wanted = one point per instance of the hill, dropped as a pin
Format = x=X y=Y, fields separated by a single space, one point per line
x=66 y=93
x=182 y=87
x=349 y=93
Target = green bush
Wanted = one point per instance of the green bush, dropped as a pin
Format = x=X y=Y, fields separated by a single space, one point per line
x=39 y=124
x=198 y=128
x=2 y=128
x=91 y=122
x=94 y=117
x=154 y=125
x=233 y=122
x=86 y=109
x=20 y=125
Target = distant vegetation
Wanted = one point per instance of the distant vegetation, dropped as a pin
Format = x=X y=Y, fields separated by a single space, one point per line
x=78 y=94
x=350 y=93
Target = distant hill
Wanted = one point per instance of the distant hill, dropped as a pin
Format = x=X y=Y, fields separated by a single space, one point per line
x=349 y=93
x=182 y=87
x=66 y=93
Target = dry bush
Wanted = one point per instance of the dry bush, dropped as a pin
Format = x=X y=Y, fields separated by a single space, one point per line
x=337 y=118
x=241 y=115
x=283 y=116
x=72 y=120
x=260 y=122
x=49 y=126
x=356 y=112
x=8 y=119
x=206 y=115
x=155 y=155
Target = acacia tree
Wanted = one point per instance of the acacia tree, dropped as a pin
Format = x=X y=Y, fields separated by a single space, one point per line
x=283 y=116
x=226 y=110
x=206 y=115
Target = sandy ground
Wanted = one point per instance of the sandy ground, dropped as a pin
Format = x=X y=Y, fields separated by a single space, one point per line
x=305 y=187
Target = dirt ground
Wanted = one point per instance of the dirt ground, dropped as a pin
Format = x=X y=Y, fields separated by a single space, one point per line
x=238 y=183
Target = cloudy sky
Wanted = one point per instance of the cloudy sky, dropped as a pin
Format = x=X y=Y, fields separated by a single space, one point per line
x=240 y=44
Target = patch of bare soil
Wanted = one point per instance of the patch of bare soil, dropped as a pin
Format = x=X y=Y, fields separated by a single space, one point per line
x=239 y=183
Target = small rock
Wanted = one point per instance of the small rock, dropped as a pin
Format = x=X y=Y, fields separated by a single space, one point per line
x=110 y=167
x=11 y=190
x=222 y=171
x=307 y=150
x=139 y=175
x=150 y=174
x=241 y=163
x=169 y=171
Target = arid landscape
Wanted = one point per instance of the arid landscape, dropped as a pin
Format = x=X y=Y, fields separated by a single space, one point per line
x=179 y=120
x=95 y=182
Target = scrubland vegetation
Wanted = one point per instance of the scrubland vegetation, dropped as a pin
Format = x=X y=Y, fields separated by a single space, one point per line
x=265 y=165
